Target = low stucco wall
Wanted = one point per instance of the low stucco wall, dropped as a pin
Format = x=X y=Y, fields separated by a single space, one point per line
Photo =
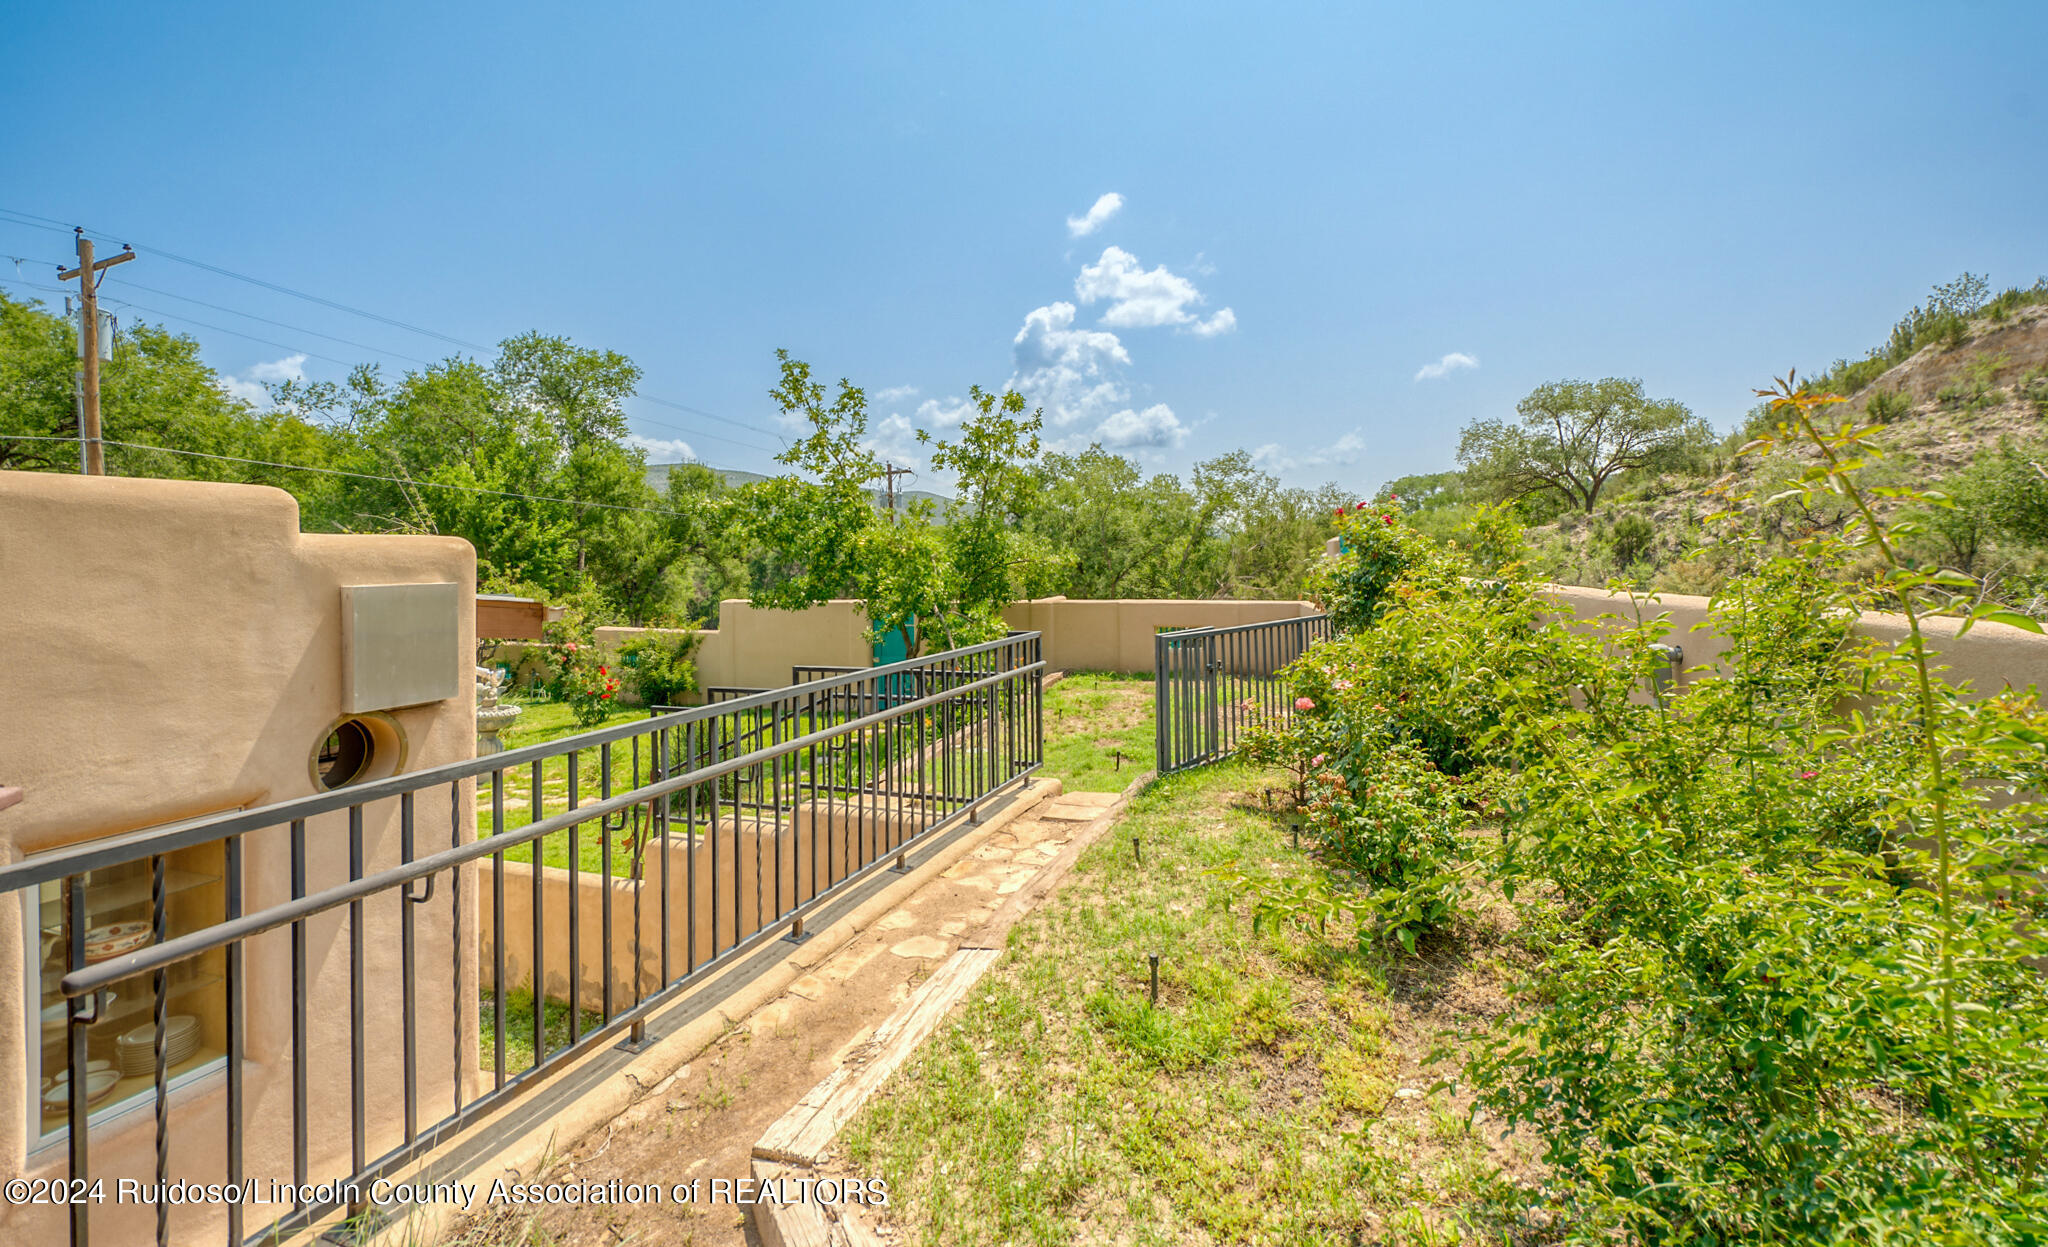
x=755 y=648
x=174 y=649
x=1990 y=657
x=751 y=857
x=1117 y=634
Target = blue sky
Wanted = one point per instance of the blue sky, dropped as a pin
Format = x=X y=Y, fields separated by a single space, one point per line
x=1697 y=194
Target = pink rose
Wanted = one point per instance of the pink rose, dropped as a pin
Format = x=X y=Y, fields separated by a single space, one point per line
x=1304 y=703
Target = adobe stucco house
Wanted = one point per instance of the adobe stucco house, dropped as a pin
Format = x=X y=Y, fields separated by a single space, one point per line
x=175 y=650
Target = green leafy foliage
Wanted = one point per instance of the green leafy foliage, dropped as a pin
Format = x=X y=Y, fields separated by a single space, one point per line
x=913 y=575
x=1576 y=436
x=1784 y=926
x=586 y=684
x=660 y=667
x=1377 y=551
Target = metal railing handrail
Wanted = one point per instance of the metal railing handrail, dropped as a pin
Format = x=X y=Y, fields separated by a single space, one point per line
x=1211 y=684
x=1220 y=629
x=159 y=956
x=125 y=847
x=821 y=785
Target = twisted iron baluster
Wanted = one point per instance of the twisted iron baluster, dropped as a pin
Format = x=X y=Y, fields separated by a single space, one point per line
x=161 y=981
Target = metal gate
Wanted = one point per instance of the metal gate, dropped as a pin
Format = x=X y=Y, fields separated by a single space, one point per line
x=1213 y=683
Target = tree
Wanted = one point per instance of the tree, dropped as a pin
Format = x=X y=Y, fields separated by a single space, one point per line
x=1117 y=528
x=1575 y=436
x=991 y=564
x=575 y=389
x=912 y=575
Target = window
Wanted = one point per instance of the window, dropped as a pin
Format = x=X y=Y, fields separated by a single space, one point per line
x=345 y=755
x=120 y=1044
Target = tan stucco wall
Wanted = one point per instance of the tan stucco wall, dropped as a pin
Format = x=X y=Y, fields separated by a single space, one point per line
x=1990 y=657
x=174 y=649
x=1117 y=634
x=831 y=836
x=754 y=647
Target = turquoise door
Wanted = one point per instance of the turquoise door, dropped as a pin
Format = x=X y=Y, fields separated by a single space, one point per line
x=891 y=648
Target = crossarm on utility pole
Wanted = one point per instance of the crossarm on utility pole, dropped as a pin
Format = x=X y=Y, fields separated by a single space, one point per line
x=87 y=273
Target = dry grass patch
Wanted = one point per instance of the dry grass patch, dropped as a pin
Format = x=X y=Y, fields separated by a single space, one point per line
x=1260 y=1101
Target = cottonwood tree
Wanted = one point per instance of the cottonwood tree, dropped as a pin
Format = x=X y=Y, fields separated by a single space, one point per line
x=1575 y=436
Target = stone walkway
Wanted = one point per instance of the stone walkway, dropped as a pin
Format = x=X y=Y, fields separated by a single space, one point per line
x=702 y=1124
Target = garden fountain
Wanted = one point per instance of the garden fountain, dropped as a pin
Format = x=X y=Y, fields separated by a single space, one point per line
x=491 y=718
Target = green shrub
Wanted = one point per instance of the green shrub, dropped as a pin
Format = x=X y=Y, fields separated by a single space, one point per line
x=1886 y=406
x=660 y=667
x=590 y=687
x=1630 y=540
x=1784 y=993
x=1781 y=987
x=1380 y=547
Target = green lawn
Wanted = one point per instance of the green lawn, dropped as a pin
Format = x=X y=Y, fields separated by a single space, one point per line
x=552 y=721
x=519 y=1028
x=1091 y=717
x=546 y=721
x=1258 y=1102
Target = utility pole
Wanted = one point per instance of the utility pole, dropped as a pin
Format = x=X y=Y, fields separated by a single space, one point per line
x=88 y=275
x=891 y=471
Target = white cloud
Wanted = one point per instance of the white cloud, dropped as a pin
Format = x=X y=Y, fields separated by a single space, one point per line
x=1078 y=375
x=663 y=450
x=1454 y=362
x=1098 y=216
x=1274 y=458
x=290 y=368
x=893 y=438
x=1346 y=451
x=1155 y=428
x=894 y=394
x=249 y=386
x=1075 y=374
x=935 y=413
x=1141 y=299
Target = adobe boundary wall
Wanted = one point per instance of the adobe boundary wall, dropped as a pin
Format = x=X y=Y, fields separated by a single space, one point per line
x=1991 y=657
x=754 y=647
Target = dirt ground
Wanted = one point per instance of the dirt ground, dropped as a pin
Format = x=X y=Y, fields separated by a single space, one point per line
x=702 y=1123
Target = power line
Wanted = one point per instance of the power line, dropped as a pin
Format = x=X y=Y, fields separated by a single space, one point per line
x=40 y=222
x=361 y=346
x=48 y=223
x=181 y=318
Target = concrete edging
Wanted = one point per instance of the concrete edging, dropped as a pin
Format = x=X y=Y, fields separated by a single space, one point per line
x=817 y=1117
x=626 y=1086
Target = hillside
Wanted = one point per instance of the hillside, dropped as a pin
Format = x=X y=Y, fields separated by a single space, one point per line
x=1946 y=410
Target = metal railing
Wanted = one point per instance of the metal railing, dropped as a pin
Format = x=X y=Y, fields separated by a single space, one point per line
x=1212 y=683
x=720 y=826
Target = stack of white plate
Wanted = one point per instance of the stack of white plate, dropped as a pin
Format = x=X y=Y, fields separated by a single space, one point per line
x=137 y=1048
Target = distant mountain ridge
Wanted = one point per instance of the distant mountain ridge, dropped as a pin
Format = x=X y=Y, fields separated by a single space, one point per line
x=657 y=479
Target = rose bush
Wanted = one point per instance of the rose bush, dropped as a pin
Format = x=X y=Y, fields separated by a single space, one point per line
x=1784 y=928
x=588 y=685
